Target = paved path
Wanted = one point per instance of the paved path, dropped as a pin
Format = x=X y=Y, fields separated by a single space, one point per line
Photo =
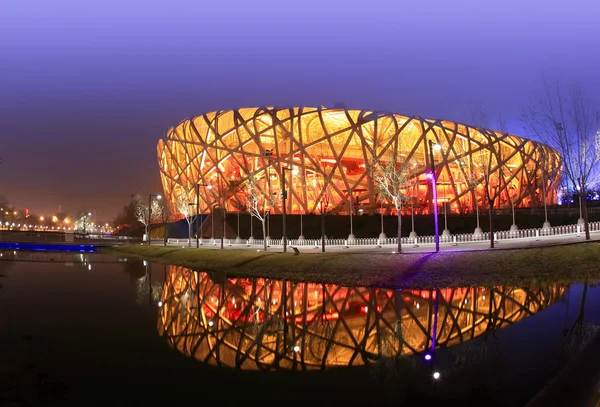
x=518 y=243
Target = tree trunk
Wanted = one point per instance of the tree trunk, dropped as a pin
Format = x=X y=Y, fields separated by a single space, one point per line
x=323 y=232
x=586 y=225
x=165 y=233
x=264 y=228
x=189 y=234
x=399 y=233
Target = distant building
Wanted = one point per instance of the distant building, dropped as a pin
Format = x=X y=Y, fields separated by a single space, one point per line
x=328 y=152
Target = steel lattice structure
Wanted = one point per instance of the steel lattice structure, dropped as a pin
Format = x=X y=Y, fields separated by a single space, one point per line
x=329 y=150
x=259 y=324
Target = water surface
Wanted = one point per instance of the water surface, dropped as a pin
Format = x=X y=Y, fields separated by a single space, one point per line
x=90 y=329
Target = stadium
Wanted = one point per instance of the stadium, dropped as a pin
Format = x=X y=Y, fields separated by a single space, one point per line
x=323 y=156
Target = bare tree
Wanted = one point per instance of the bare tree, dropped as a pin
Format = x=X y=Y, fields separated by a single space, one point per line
x=184 y=205
x=390 y=178
x=165 y=210
x=488 y=172
x=259 y=203
x=320 y=191
x=569 y=121
x=141 y=212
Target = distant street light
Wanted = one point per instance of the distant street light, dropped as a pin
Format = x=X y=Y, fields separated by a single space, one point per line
x=198 y=211
x=149 y=213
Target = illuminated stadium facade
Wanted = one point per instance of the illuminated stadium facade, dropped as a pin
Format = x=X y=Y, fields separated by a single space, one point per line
x=328 y=153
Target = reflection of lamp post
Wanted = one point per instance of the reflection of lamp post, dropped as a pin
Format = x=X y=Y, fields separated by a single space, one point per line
x=198 y=211
x=149 y=213
x=432 y=177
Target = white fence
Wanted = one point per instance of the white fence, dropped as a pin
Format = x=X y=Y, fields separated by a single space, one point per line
x=537 y=233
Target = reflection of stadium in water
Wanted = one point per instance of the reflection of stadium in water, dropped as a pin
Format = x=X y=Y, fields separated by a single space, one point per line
x=263 y=324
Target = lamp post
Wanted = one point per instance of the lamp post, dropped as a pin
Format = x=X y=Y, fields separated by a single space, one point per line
x=382 y=235
x=580 y=221
x=268 y=154
x=413 y=233
x=198 y=212
x=284 y=211
x=513 y=228
x=190 y=225
x=434 y=190
x=149 y=213
x=546 y=223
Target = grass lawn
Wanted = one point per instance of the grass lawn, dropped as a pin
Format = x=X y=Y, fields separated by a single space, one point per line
x=567 y=263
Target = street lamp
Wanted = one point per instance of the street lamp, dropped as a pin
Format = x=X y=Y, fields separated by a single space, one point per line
x=382 y=235
x=198 y=212
x=284 y=212
x=580 y=221
x=268 y=154
x=149 y=213
x=432 y=177
x=190 y=224
x=546 y=223
x=513 y=228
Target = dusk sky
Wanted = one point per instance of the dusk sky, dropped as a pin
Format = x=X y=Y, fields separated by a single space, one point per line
x=87 y=88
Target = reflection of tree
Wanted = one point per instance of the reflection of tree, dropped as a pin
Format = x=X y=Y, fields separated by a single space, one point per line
x=580 y=332
x=259 y=324
x=147 y=289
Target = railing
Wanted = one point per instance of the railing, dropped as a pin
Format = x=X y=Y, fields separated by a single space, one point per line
x=503 y=235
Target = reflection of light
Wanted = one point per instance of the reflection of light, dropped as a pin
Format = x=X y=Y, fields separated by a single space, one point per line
x=211 y=323
x=436 y=375
x=429 y=175
x=418 y=305
x=296 y=348
x=427 y=356
x=89 y=266
x=483 y=297
x=160 y=304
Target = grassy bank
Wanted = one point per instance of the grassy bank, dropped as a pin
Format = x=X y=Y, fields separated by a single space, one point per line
x=575 y=262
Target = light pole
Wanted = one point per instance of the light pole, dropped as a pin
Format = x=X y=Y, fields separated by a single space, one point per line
x=382 y=235
x=546 y=223
x=351 y=198
x=432 y=177
x=446 y=231
x=513 y=228
x=190 y=225
x=149 y=213
x=268 y=154
x=284 y=211
x=413 y=233
x=198 y=211
x=580 y=221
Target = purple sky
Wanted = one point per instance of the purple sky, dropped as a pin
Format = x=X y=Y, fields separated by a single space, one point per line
x=88 y=87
